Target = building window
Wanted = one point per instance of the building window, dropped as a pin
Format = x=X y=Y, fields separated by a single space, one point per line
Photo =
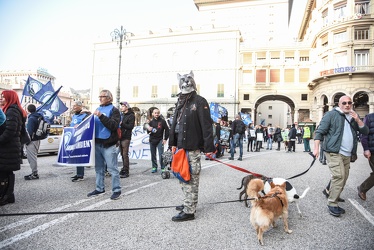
x=246 y=97
x=247 y=58
x=154 y=91
x=270 y=107
x=325 y=62
x=362 y=57
x=340 y=37
x=289 y=75
x=135 y=91
x=340 y=59
x=261 y=56
x=174 y=90
x=325 y=15
x=247 y=77
x=270 y=116
x=260 y=75
x=362 y=7
x=304 y=97
x=362 y=33
x=303 y=75
x=304 y=58
x=340 y=10
x=220 y=90
x=274 y=75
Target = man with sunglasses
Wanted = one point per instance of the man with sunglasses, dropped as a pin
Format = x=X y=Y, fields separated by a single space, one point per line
x=338 y=133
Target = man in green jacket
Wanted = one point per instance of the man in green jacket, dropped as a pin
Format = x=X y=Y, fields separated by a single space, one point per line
x=338 y=131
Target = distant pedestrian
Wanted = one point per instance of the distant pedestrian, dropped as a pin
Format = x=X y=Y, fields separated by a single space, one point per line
x=158 y=135
x=238 y=128
x=78 y=117
x=32 y=148
x=306 y=138
x=126 y=126
x=292 y=139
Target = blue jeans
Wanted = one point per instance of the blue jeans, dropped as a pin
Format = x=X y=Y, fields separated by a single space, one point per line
x=270 y=143
x=108 y=156
x=160 y=148
x=237 y=139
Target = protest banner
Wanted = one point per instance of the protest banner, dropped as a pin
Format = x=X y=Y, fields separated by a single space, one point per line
x=77 y=147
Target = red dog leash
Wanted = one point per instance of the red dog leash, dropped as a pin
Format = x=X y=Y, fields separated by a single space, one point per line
x=237 y=168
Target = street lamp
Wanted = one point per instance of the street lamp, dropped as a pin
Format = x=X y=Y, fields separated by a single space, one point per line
x=119 y=36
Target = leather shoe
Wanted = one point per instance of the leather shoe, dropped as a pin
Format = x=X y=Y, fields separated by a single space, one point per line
x=231 y=158
x=182 y=216
x=362 y=195
x=179 y=208
x=335 y=211
x=240 y=159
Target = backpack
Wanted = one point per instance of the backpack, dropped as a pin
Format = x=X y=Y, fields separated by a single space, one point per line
x=42 y=130
x=240 y=127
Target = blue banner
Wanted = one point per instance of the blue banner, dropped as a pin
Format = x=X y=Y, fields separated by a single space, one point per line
x=77 y=146
x=246 y=118
x=217 y=111
x=32 y=86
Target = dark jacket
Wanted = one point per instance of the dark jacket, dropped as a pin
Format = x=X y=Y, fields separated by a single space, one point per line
x=367 y=141
x=197 y=131
x=292 y=134
x=112 y=124
x=32 y=124
x=331 y=128
x=162 y=130
x=277 y=135
x=127 y=124
x=10 y=142
x=234 y=126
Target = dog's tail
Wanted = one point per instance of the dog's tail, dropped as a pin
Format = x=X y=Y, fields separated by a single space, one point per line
x=303 y=195
x=241 y=185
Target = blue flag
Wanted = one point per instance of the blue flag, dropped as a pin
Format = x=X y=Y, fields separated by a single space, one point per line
x=44 y=93
x=246 y=118
x=217 y=111
x=32 y=86
x=52 y=106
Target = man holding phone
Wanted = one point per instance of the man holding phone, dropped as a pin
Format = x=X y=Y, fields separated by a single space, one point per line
x=338 y=133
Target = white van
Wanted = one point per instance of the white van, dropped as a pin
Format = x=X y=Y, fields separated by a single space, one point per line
x=52 y=142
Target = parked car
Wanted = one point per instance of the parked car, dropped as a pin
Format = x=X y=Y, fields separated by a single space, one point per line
x=52 y=142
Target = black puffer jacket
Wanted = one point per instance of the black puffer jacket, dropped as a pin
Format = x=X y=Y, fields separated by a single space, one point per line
x=127 y=124
x=10 y=142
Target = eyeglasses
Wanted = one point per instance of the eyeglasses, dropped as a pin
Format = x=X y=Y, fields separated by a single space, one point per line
x=102 y=96
x=345 y=103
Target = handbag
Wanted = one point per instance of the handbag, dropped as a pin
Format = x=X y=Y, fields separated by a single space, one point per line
x=25 y=137
x=180 y=166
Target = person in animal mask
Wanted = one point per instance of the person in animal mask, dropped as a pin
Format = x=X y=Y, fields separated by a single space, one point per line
x=192 y=131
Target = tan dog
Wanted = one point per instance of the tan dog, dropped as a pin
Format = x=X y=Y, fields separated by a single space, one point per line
x=267 y=209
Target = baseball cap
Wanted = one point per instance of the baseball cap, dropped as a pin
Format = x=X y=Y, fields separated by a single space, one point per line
x=125 y=103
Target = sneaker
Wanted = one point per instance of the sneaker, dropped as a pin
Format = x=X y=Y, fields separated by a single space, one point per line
x=154 y=170
x=115 y=195
x=95 y=193
x=335 y=211
x=240 y=159
x=32 y=177
x=77 y=178
x=231 y=158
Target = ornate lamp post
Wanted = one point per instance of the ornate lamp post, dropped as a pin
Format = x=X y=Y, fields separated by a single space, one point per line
x=120 y=36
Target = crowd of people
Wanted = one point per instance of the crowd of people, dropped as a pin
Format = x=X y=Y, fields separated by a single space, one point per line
x=191 y=129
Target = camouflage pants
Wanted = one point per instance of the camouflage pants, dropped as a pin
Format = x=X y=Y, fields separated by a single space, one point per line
x=191 y=189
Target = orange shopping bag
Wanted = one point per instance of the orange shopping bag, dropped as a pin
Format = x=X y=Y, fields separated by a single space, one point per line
x=180 y=165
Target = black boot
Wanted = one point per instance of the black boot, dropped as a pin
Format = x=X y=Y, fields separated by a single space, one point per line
x=8 y=196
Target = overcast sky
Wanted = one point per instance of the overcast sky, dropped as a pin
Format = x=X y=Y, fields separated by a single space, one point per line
x=59 y=34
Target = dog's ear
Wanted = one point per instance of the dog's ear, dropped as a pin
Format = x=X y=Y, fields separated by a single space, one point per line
x=178 y=76
x=272 y=185
x=191 y=74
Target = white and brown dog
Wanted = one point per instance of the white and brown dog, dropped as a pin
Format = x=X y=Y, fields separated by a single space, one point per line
x=267 y=209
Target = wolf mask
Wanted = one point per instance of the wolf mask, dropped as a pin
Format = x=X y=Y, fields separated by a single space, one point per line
x=187 y=83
